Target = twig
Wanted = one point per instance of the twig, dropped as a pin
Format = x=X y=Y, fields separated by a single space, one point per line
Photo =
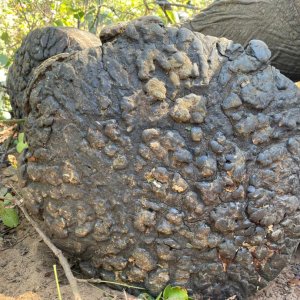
x=96 y=19
x=164 y=2
x=147 y=8
x=184 y=6
x=13 y=121
x=125 y=295
x=167 y=16
x=95 y=280
x=58 y=253
x=22 y=11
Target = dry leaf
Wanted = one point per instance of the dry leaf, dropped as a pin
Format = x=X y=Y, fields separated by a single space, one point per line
x=6 y=133
x=12 y=160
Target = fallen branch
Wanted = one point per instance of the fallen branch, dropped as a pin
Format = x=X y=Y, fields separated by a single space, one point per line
x=96 y=280
x=58 y=253
x=13 y=121
x=168 y=4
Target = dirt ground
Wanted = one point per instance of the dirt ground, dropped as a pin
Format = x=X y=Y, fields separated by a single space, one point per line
x=26 y=265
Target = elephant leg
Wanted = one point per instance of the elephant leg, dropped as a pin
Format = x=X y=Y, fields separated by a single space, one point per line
x=166 y=157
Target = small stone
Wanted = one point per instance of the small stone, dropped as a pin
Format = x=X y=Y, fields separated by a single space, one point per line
x=104 y=102
x=143 y=259
x=144 y=219
x=156 y=89
x=220 y=138
x=157 y=281
x=96 y=139
x=232 y=101
x=111 y=150
x=196 y=134
x=197 y=117
x=161 y=174
x=144 y=151
x=165 y=227
x=191 y=108
x=150 y=134
x=216 y=147
x=84 y=230
x=179 y=185
x=247 y=125
x=207 y=165
x=175 y=79
x=259 y=50
x=195 y=70
x=158 y=150
x=102 y=229
x=120 y=162
x=192 y=202
x=112 y=130
x=183 y=155
x=136 y=275
x=172 y=140
x=293 y=145
x=70 y=175
x=174 y=217
x=165 y=253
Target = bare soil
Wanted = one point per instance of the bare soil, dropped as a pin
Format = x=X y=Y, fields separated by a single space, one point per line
x=27 y=265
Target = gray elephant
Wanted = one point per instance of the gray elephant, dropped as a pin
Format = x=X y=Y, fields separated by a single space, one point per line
x=162 y=157
x=276 y=22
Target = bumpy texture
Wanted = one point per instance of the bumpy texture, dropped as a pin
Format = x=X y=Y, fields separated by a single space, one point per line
x=276 y=22
x=167 y=157
x=38 y=46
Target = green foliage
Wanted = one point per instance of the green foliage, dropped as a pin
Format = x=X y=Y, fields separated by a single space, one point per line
x=21 y=144
x=169 y=293
x=172 y=16
x=175 y=293
x=3 y=60
x=8 y=214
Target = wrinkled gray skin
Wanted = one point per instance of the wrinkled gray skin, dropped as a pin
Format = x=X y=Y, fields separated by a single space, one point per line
x=166 y=157
x=38 y=46
x=276 y=22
